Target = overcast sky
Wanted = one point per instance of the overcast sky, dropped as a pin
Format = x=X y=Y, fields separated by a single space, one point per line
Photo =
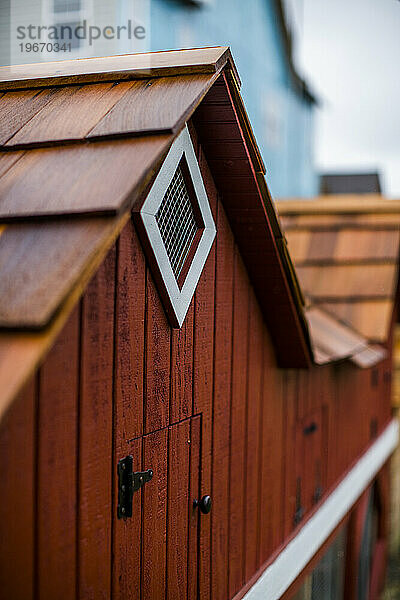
x=349 y=51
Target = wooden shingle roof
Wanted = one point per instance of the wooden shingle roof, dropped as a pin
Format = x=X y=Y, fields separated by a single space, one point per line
x=80 y=144
x=346 y=252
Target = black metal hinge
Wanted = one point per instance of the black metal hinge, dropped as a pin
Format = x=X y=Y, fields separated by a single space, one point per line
x=128 y=483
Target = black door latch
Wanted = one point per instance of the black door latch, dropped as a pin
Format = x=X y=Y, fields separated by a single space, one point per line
x=128 y=483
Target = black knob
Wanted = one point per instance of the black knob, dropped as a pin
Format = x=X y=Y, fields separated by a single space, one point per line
x=204 y=504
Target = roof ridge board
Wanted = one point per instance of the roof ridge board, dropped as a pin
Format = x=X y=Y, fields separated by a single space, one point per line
x=210 y=60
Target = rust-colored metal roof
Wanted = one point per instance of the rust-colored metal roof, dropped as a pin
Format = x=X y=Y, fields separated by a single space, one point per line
x=346 y=252
x=80 y=143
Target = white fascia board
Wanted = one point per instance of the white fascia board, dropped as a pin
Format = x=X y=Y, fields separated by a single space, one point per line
x=289 y=564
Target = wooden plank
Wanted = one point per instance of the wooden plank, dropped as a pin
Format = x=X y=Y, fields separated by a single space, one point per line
x=339 y=204
x=253 y=437
x=17 y=509
x=203 y=369
x=178 y=510
x=21 y=353
x=290 y=388
x=96 y=423
x=70 y=114
x=312 y=443
x=343 y=246
x=348 y=281
x=101 y=182
x=57 y=467
x=375 y=221
x=194 y=492
x=162 y=104
x=157 y=348
x=237 y=474
x=8 y=159
x=370 y=318
x=271 y=465
x=129 y=348
x=34 y=281
x=202 y=400
x=333 y=338
x=126 y=533
x=118 y=68
x=17 y=108
x=182 y=369
x=221 y=407
x=154 y=516
x=263 y=242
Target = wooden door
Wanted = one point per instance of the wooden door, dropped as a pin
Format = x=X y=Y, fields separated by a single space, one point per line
x=156 y=550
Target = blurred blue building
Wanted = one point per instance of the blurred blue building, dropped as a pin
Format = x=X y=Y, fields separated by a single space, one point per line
x=279 y=104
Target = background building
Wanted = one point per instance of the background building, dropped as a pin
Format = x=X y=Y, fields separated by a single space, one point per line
x=277 y=100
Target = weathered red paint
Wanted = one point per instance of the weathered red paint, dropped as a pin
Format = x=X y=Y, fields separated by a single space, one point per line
x=205 y=407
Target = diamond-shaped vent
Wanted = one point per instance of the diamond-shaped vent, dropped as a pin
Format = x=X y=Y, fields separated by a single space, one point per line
x=177 y=222
x=178 y=228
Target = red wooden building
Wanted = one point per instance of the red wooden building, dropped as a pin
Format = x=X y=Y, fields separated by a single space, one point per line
x=177 y=419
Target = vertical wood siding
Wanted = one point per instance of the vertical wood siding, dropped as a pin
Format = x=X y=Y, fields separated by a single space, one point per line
x=206 y=407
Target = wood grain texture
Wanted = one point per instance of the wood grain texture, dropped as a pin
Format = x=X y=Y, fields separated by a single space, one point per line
x=370 y=319
x=246 y=451
x=129 y=347
x=179 y=448
x=154 y=516
x=57 y=467
x=21 y=352
x=158 y=352
x=343 y=246
x=252 y=217
x=96 y=425
x=80 y=178
x=333 y=338
x=202 y=400
x=17 y=510
x=194 y=517
x=8 y=159
x=237 y=477
x=118 y=68
x=290 y=397
x=352 y=204
x=182 y=369
x=254 y=433
x=40 y=264
x=162 y=104
x=349 y=281
x=70 y=113
x=16 y=108
x=203 y=368
x=221 y=408
x=271 y=510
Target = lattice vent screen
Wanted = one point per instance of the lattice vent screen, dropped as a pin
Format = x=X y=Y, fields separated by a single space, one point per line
x=177 y=222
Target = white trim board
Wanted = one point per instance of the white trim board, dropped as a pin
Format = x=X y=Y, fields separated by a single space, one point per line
x=278 y=577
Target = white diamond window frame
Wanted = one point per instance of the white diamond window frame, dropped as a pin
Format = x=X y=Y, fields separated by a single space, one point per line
x=177 y=298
